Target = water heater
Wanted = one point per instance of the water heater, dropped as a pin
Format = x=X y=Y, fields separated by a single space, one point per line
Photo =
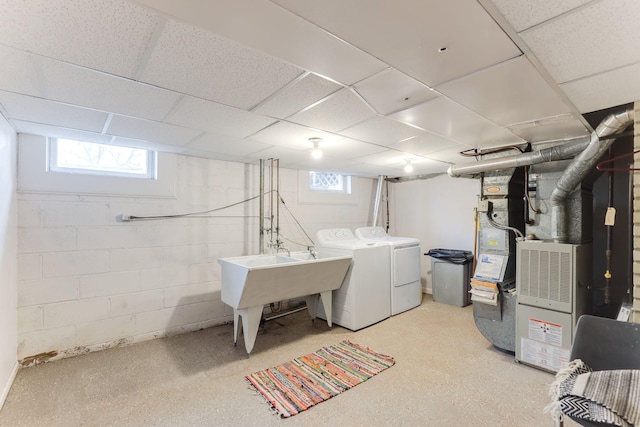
x=554 y=290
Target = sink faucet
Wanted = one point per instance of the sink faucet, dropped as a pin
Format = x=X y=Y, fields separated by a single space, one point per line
x=280 y=247
x=312 y=252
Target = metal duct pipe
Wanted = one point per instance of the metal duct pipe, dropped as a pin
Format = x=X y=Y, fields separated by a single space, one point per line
x=376 y=202
x=581 y=165
x=559 y=152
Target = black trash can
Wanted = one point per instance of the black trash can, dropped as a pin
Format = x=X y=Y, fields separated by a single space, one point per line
x=451 y=275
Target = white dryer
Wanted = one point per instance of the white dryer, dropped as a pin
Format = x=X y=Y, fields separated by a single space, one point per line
x=363 y=299
x=405 y=287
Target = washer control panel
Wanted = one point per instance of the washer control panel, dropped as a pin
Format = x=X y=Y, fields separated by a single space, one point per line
x=335 y=235
x=371 y=233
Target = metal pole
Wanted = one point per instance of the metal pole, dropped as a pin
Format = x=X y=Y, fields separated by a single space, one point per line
x=261 y=241
x=271 y=203
x=376 y=202
x=277 y=196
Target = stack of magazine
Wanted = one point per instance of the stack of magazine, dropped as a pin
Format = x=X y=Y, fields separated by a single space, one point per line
x=484 y=284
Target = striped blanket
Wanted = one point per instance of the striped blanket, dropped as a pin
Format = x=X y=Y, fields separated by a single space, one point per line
x=611 y=397
x=297 y=385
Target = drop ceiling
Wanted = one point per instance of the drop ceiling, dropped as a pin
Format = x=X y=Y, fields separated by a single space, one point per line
x=381 y=82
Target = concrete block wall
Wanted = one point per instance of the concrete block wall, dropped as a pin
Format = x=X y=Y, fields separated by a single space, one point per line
x=87 y=281
x=636 y=218
x=8 y=257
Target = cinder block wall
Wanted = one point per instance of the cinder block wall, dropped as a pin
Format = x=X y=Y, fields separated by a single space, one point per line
x=88 y=282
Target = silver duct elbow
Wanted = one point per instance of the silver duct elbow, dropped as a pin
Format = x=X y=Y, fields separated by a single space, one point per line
x=580 y=166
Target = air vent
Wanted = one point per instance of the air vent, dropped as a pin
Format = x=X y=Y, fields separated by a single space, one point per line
x=545 y=275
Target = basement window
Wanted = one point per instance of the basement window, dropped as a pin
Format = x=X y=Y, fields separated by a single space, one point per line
x=329 y=182
x=70 y=156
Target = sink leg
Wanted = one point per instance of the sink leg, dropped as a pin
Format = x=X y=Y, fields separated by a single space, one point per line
x=251 y=321
x=236 y=326
x=327 y=304
x=312 y=305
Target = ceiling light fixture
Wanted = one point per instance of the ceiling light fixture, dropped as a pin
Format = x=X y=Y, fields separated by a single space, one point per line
x=408 y=167
x=316 y=153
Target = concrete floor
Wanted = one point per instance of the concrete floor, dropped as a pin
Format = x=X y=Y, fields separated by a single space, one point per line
x=446 y=374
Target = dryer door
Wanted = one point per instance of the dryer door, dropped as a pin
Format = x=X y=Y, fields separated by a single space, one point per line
x=407 y=265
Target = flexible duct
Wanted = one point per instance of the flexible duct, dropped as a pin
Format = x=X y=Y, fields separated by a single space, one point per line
x=559 y=152
x=590 y=152
x=581 y=165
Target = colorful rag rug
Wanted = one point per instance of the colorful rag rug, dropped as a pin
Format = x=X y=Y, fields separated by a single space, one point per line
x=297 y=385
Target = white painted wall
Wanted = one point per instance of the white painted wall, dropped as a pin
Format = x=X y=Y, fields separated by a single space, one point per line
x=438 y=211
x=88 y=282
x=8 y=255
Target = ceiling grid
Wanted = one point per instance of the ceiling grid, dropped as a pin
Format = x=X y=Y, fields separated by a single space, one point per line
x=417 y=79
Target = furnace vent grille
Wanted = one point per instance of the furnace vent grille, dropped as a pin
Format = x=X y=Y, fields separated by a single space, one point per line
x=545 y=277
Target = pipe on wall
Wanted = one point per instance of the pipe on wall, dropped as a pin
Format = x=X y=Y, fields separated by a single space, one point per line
x=376 y=203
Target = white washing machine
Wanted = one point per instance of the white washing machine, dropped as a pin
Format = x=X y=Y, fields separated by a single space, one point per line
x=363 y=299
x=405 y=286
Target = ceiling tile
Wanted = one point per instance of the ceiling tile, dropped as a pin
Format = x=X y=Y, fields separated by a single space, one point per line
x=420 y=166
x=271 y=29
x=297 y=96
x=424 y=144
x=510 y=92
x=595 y=38
x=390 y=158
x=391 y=91
x=106 y=35
x=523 y=14
x=296 y=137
x=216 y=156
x=551 y=128
x=451 y=154
x=408 y=35
x=60 y=132
x=82 y=86
x=30 y=109
x=147 y=145
x=381 y=130
x=450 y=120
x=348 y=148
x=287 y=156
x=148 y=130
x=216 y=118
x=199 y=63
x=336 y=112
x=19 y=72
x=327 y=163
x=371 y=171
x=226 y=145
x=604 y=90
x=291 y=135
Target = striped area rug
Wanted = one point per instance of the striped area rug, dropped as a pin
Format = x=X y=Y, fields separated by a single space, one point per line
x=297 y=385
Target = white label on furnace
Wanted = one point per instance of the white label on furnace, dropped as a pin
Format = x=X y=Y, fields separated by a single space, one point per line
x=550 y=333
x=544 y=355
